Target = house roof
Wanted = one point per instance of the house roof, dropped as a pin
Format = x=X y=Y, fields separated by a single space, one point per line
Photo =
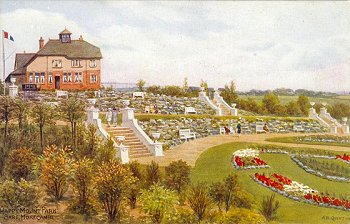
x=76 y=49
x=65 y=31
x=22 y=59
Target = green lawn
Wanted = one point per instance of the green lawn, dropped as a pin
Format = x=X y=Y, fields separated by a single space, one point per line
x=214 y=164
x=293 y=140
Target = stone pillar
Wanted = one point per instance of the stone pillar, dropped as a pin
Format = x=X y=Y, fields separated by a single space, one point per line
x=128 y=114
x=345 y=126
x=157 y=149
x=13 y=90
x=334 y=129
x=234 y=110
x=123 y=153
x=92 y=112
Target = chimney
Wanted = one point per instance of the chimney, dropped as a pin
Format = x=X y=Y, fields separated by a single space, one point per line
x=41 y=43
x=81 y=37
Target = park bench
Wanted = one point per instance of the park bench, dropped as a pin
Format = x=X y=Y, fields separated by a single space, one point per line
x=298 y=128
x=61 y=93
x=186 y=134
x=138 y=95
x=259 y=128
x=190 y=110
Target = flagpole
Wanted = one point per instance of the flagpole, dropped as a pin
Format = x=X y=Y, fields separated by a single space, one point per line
x=3 y=61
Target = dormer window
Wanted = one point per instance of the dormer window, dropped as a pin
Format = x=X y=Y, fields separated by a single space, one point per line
x=75 y=63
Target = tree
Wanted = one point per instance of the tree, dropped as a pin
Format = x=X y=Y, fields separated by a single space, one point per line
x=158 y=202
x=22 y=110
x=42 y=115
x=83 y=182
x=7 y=110
x=216 y=192
x=304 y=104
x=20 y=163
x=177 y=175
x=135 y=168
x=293 y=108
x=55 y=170
x=230 y=187
x=18 y=194
x=140 y=84
x=185 y=86
x=270 y=102
x=105 y=152
x=112 y=183
x=269 y=207
x=199 y=200
x=204 y=84
x=229 y=93
x=72 y=110
x=152 y=173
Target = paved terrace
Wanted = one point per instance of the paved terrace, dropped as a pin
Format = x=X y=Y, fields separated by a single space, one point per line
x=190 y=151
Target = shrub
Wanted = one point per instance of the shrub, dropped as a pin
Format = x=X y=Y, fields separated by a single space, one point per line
x=18 y=194
x=20 y=163
x=269 y=207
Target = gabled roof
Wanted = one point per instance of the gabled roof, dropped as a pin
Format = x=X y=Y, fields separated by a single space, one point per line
x=76 y=49
x=65 y=31
x=21 y=60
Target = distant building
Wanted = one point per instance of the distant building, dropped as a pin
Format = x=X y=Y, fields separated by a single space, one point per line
x=62 y=63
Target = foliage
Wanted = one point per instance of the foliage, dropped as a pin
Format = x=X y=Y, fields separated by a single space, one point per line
x=185 y=85
x=140 y=84
x=270 y=102
x=18 y=194
x=153 y=175
x=83 y=184
x=304 y=104
x=72 y=111
x=105 y=152
x=20 y=163
x=158 y=202
x=177 y=175
x=135 y=168
x=55 y=170
x=230 y=188
x=339 y=110
x=242 y=216
x=22 y=110
x=199 y=200
x=112 y=184
x=216 y=193
x=293 y=108
x=229 y=93
x=7 y=110
x=243 y=199
x=269 y=207
x=42 y=115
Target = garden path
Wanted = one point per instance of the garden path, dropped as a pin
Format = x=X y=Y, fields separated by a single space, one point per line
x=190 y=151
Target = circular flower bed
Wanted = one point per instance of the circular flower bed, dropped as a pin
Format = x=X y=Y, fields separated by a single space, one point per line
x=247 y=159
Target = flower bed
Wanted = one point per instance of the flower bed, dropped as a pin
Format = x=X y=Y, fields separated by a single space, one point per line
x=325 y=139
x=345 y=158
x=299 y=192
x=247 y=159
x=316 y=172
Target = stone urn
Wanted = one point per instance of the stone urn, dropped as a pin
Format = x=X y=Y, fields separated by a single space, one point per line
x=344 y=120
x=126 y=103
x=120 y=140
x=201 y=88
x=312 y=104
x=156 y=136
x=233 y=105
x=12 y=80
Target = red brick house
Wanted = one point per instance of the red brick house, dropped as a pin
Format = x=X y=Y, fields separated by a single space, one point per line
x=62 y=63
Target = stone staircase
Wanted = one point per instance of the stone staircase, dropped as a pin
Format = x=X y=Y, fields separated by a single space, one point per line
x=136 y=148
x=224 y=110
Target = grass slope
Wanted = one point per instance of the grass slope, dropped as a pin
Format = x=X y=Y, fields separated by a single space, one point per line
x=214 y=164
x=293 y=140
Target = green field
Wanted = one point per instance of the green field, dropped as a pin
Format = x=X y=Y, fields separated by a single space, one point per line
x=285 y=99
x=214 y=164
x=293 y=140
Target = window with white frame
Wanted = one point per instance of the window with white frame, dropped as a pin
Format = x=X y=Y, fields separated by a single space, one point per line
x=56 y=63
x=93 y=78
x=42 y=77
x=93 y=63
x=78 y=77
x=65 y=77
x=37 y=77
x=75 y=63
x=69 y=77
x=30 y=77
x=50 y=77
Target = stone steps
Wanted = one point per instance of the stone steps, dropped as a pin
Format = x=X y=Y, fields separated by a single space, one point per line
x=224 y=110
x=136 y=148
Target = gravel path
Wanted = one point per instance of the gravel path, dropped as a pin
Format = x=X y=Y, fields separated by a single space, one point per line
x=190 y=151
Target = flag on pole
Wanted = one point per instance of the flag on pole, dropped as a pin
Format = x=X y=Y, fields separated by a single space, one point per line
x=6 y=35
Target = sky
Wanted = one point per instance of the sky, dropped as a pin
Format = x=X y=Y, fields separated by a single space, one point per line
x=258 y=45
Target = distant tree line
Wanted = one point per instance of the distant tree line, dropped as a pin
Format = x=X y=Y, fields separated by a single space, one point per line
x=287 y=92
